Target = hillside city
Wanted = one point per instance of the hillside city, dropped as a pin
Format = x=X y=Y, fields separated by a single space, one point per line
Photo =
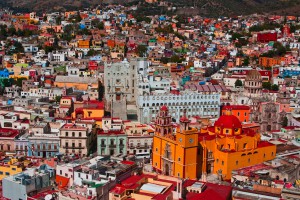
x=110 y=104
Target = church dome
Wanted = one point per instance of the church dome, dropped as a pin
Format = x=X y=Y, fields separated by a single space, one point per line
x=253 y=75
x=229 y=122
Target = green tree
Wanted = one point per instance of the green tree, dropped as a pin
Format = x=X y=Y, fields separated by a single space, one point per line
x=100 y=25
x=19 y=81
x=101 y=90
x=175 y=59
x=285 y=122
x=246 y=61
x=50 y=30
x=238 y=83
x=57 y=99
x=267 y=85
x=17 y=48
x=91 y=52
x=164 y=60
x=275 y=87
x=141 y=50
x=77 y=17
x=58 y=20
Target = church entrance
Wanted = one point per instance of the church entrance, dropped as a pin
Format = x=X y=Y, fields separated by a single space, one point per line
x=167 y=170
x=209 y=168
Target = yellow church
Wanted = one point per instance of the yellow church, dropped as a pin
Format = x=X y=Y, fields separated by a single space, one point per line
x=186 y=152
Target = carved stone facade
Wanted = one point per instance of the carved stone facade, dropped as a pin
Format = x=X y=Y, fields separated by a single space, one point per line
x=273 y=115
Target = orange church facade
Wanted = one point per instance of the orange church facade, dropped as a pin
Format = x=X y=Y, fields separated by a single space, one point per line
x=186 y=152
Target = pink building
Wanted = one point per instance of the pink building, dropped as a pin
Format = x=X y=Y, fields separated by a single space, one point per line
x=7 y=139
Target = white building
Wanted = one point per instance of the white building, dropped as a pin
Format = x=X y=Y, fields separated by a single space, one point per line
x=57 y=56
x=140 y=139
x=200 y=104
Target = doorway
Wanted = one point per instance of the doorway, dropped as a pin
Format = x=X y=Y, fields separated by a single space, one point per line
x=167 y=170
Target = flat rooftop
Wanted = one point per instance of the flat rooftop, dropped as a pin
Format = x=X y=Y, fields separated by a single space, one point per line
x=153 y=188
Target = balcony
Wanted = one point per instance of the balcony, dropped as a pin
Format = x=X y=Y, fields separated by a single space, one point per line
x=72 y=147
x=142 y=146
x=112 y=146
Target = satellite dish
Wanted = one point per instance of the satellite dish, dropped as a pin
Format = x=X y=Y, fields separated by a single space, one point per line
x=48 y=197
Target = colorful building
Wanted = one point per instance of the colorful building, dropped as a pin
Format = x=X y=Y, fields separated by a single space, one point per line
x=83 y=44
x=88 y=109
x=219 y=149
x=240 y=111
x=11 y=168
x=227 y=146
x=111 y=139
x=269 y=62
x=175 y=154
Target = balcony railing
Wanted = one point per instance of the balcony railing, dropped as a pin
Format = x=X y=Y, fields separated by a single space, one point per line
x=73 y=147
x=112 y=146
x=142 y=146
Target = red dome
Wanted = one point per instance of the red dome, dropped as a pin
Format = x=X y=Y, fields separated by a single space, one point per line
x=228 y=121
x=164 y=108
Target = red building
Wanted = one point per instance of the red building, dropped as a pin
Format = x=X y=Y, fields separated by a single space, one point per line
x=199 y=190
x=266 y=37
x=93 y=65
x=240 y=111
x=30 y=27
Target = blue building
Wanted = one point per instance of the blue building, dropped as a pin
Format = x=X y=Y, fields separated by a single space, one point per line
x=22 y=145
x=289 y=72
x=42 y=142
x=5 y=73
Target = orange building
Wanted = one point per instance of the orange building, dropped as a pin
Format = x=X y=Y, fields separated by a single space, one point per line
x=83 y=44
x=227 y=146
x=187 y=153
x=175 y=154
x=269 y=62
x=240 y=111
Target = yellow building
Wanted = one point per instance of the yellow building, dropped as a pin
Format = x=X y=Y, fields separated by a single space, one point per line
x=82 y=83
x=175 y=154
x=219 y=149
x=11 y=168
